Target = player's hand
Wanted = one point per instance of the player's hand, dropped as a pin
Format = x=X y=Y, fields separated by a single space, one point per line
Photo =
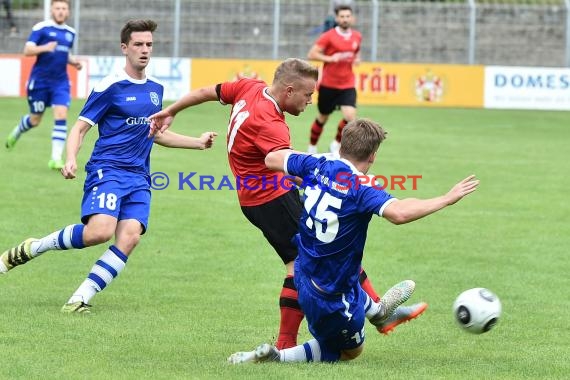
x=68 y=171
x=334 y=58
x=77 y=64
x=160 y=122
x=50 y=46
x=463 y=188
x=207 y=139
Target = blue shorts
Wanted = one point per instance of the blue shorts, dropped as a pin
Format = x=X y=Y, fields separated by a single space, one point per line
x=121 y=194
x=47 y=94
x=336 y=321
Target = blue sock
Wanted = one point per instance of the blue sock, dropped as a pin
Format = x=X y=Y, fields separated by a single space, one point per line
x=66 y=238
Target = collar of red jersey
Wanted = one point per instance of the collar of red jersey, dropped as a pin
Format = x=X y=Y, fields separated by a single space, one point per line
x=346 y=34
x=272 y=99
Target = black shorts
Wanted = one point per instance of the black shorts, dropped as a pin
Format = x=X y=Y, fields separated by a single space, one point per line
x=278 y=219
x=331 y=99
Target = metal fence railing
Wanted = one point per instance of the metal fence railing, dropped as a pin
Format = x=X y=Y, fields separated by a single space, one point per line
x=533 y=33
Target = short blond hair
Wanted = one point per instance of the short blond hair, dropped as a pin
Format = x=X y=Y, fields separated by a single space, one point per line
x=292 y=69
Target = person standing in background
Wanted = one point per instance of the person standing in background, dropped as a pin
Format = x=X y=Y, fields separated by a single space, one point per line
x=10 y=17
x=330 y=20
x=51 y=42
x=339 y=49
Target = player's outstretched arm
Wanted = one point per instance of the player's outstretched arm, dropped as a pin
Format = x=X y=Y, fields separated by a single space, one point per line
x=410 y=209
x=162 y=120
x=170 y=139
x=276 y=160
x=31 y=49
x=461 y=189
x=74 y=141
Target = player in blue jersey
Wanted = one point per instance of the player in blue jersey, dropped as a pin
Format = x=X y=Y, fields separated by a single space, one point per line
x=116 y=200
x=51 y=42
x=339 y=205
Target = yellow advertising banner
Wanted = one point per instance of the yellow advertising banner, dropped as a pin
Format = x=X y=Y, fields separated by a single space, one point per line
x=377 y=83
x=420 y=84
x=206 y=72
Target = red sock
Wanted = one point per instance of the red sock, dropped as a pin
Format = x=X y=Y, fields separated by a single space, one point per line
x=341 y=126
x=316 y=130
x=367 y=286
x=291 y=315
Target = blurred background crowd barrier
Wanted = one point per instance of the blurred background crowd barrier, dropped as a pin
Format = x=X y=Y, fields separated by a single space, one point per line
x=504 y=32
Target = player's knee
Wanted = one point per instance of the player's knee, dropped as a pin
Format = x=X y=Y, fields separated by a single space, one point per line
x=349 y=114
x=35 y=120
x=94 y=236
x=133 y=240
x=127 y=242
x=60 y=114
x=322 y=119
x=351 y=354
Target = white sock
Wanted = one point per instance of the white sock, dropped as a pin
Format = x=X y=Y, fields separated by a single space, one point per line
x=84 y=293
x=309 y=351
x=109 y=266
x=23 y=126
x=312 y=149
x=371 y=308
x=58 y=136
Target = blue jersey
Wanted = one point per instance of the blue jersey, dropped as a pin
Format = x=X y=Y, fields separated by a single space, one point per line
x=334 y=223
x=121 y=106
x=51 y=66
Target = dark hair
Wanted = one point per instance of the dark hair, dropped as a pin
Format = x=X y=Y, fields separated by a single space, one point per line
x=361 y=138
x=136 y=26
x=343 y=7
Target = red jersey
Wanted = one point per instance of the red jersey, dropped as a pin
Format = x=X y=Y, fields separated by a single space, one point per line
x=256 y=127
x=346 y=45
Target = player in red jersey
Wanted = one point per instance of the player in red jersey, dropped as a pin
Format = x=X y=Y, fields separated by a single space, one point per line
x=339 y=49
x=257 y=127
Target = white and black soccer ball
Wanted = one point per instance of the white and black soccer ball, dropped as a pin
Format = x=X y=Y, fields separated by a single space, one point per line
x=477 y=310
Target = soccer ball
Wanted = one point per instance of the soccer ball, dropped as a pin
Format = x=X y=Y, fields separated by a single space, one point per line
x=477 y=310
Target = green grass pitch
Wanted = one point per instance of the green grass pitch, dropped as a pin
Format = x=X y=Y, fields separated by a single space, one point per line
x=203 y=283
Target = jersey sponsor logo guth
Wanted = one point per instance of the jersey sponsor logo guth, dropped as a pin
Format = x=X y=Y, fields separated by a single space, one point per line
x=135 y=120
